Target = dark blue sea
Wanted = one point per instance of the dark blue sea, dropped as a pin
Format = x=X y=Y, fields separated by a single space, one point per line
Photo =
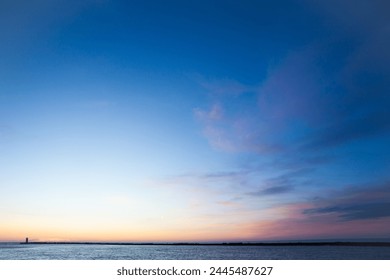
x=15 y=251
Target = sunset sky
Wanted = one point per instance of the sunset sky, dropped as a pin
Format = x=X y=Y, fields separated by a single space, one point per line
x=194 y=120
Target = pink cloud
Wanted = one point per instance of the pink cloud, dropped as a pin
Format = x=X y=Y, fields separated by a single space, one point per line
x=295 y=225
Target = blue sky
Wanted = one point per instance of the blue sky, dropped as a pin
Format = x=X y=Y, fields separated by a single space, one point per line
x=196 y=121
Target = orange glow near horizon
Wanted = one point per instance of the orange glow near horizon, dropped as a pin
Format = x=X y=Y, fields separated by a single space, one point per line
x=287 y=229
x=129 y=221
x=124 y=235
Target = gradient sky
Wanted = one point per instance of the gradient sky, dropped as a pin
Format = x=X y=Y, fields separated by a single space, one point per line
x=194 y=120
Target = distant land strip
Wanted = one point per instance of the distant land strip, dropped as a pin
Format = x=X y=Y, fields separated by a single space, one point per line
x=376 y=244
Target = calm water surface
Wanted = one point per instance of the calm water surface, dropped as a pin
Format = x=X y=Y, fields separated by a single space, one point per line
x=154 y=252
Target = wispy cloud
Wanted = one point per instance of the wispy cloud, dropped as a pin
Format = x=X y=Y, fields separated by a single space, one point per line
x=328 y=93
x=352 y=212
x=273 y=190
x=282 y=184
x=214 y=114
x=355 y=203
x=288 y=97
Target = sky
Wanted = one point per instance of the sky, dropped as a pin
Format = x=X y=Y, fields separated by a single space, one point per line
x=206 y=121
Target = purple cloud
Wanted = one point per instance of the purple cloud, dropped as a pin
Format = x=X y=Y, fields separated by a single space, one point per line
x=355 y=203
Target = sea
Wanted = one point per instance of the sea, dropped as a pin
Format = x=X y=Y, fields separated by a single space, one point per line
x=16 y=251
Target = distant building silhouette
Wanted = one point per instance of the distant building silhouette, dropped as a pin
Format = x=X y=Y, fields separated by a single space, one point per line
x=26 y=240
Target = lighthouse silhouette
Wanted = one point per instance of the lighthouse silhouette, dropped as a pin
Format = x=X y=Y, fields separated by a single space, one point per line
x=26 y=240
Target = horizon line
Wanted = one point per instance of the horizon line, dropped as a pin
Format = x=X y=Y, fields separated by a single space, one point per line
x=272 y=243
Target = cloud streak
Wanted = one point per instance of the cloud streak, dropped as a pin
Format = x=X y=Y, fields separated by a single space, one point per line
x=355 y=203
x=273 y=190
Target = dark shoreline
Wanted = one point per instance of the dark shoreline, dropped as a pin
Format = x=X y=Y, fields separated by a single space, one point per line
x=375 y=244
